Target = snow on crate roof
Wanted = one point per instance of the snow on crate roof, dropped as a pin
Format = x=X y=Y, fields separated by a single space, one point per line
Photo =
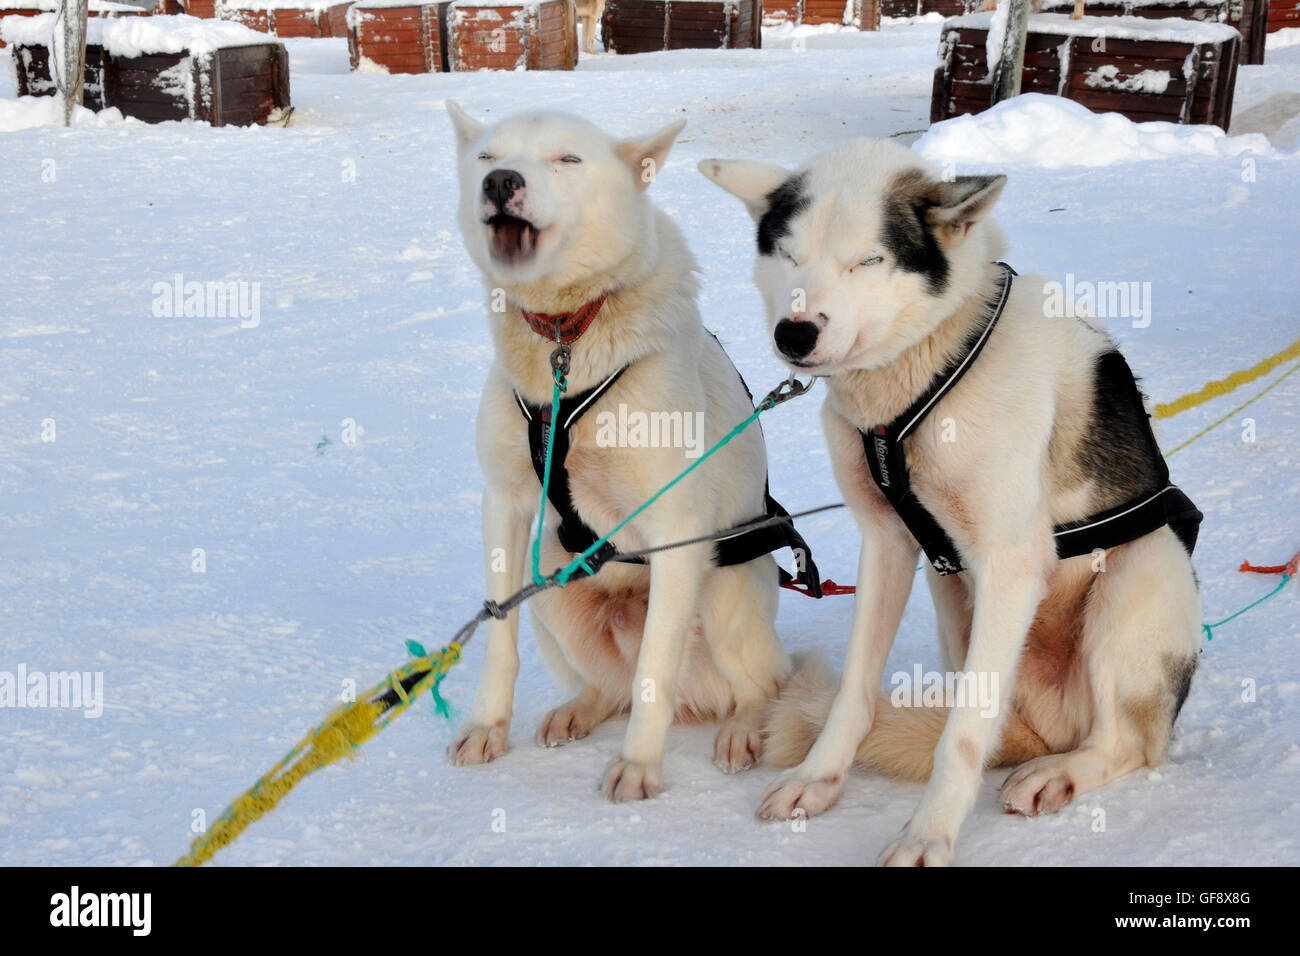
x=1170 y=30
x=137 y=36
x=313 y=6
x=99 y=6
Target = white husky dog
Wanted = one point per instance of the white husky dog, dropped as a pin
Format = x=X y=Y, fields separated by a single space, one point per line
x=1026 y=443
x=555 y=215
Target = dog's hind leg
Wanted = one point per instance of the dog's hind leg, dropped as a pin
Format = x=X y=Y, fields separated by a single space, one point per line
x=576 y=718
x=739 y=615
x=1141 y=637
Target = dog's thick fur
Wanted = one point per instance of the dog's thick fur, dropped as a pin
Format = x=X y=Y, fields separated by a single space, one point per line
x=636 y=637
x=889 y=269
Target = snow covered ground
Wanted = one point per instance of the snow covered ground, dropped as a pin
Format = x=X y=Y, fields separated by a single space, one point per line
x=174 y=434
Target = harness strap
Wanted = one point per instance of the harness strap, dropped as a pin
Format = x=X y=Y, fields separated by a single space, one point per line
x=576 y=536
x=1158 y=506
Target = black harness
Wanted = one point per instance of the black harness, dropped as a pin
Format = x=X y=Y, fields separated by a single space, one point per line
x=576 y=536
x=1160 y=505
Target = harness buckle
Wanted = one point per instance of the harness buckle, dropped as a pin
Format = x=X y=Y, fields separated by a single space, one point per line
x=790 y=388
x=560 y=364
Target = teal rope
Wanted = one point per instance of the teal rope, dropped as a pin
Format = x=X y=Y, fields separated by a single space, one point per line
x=562 y=576
x=1209 y=628
x=561 y=383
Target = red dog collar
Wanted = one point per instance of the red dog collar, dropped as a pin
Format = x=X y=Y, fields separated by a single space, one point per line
x=567 y=327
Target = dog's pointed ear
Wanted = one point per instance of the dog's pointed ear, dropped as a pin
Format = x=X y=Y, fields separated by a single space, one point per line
x=468 y=129
x=957 y=205
x=752 y=182
x=645 y=156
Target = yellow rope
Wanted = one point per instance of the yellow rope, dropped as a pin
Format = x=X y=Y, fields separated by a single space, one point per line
x=1225 y=385
x=342 y=732
x=1209 y=428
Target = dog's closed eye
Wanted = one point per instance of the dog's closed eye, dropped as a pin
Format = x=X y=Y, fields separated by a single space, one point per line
x=570 y=159
x=486 y=158
x=869 y=261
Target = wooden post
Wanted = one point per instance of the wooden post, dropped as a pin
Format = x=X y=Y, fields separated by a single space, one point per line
x=68 y=54
x=1006 y=79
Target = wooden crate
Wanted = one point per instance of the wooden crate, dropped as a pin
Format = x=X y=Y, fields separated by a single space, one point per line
x=231 y=86
x=1177 y=71
x=644 y=26
x=289 y=21
x=918 y=8
x=33 y=78
x=1250 y=17
x=1283 y=14
x=405 y=39
x=534 y=35
x=863 y=14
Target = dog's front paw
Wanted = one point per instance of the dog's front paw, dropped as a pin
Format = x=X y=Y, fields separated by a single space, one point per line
x=478 y=744
x=917 y=849
x=738 y=746
x=797 y=795
x=628 y=780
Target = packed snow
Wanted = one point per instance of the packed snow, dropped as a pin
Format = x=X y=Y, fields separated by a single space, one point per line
x=230 y=518
x=1051 y=132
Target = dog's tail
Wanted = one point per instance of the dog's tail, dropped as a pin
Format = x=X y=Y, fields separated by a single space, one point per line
x=902 y=739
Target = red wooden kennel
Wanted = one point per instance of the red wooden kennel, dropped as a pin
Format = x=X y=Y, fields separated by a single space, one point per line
x=289 y=18
x=863 y=14
x=463 y=35
x=483 y=35
x=96 y=8
x=1283 y=14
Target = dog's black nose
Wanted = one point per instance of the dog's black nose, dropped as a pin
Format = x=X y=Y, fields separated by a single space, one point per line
x=795 y=339
x=500 y=184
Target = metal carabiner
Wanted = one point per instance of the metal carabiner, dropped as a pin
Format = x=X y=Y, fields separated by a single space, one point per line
x=790 y=388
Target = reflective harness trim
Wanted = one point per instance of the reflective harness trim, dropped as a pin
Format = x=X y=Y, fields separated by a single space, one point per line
x=576 y=535
x=1163 y=505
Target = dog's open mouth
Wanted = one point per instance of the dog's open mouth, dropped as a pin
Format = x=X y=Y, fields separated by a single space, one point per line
x=512 y=240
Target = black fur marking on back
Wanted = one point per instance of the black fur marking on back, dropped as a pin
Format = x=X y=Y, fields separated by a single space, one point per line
x=1180 y=681
x=907 y=235
x=783 y=204
x=1116 y=451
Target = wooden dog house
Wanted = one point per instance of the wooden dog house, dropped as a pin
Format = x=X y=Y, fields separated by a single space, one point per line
x=1180 y=71
x=645 y=26
x=225 y=80
x=863 y=14
x=289 y=18
x=460 y=35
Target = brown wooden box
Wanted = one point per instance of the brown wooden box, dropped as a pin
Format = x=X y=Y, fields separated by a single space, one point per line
x=644 y=26
x=32 y=73
x=410 y=39
x=539 y=35
x=231 y=86
x=863 y=14
x=1250 y=17
x=1061 y=61
x=289 y=22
